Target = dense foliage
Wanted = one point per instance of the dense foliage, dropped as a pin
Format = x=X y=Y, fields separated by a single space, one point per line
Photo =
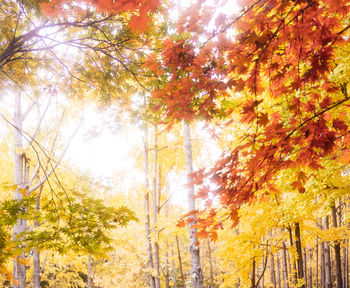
x=266 y=83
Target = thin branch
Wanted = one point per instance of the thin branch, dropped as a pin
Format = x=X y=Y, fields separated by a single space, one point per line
x=47 y=175
x=40 y=121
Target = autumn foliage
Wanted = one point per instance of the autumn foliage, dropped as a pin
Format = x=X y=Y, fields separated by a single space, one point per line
x=276 y=58
x=140 y=10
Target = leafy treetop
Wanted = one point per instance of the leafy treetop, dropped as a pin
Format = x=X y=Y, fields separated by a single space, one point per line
x=279 y=67
x=140 y=9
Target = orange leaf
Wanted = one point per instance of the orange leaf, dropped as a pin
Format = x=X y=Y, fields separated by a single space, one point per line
x=139 y=23
x=181 y=223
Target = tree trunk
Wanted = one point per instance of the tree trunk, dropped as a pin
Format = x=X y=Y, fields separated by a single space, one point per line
x=36 y=268
x=284 y=266
x=167 y=274
x=147 y=210
x=294 y=275
x=262 y=271
x=327 y=258
x=310 y=270
x=347 y=264
x=36 y=252
x=272 y=270
x=252 y=275
x=174 y=269
x=305 y=269
x=257 y=275
x=210 y=266
x=299 y=252
x=196 y=271
x=316 y=268
x=322 y=268
x=278 y=270
x=180 y=262
x=19 y=269
x=337 y=251
x=89 y=284
x=155 y=209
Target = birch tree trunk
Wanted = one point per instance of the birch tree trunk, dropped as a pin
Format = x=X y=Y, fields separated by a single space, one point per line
x=337 y=251
x=305 y=269
x=316 y=268
x=19 y=269
x=196 y=271
x=210 y=265
x=310 y=270
x=252 y=275
x=262 y=280
x=173 y=267
x=147 y=210
x=36 y=253
x=344 y=265
x=300 y=265
x=346 y=261
x=89 y=284
x=272 y=267
x=278 y=258
x=322 y=267
x=155 y=209
x=180 y=262
x=284 y=266
x=167 y=264
x=327 y=259
x=295 y=273
x=257 y=275
x=166 y=276
x=272 y=270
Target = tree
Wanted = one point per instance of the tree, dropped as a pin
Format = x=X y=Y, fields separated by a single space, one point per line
x=196 y=270
x=21 y=52
x=92 y=51
x=274 y=76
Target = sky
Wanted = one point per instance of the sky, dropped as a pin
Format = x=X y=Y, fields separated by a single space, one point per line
x=107 y=147
x=112 y=153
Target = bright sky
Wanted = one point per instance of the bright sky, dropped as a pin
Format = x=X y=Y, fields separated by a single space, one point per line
x=106 y=150
x=112 y=153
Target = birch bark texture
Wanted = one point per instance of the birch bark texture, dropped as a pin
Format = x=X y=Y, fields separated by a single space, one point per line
x=196 y=270
x=180 y=262
x=147 y=207
x=155 y=209
x=19 y=269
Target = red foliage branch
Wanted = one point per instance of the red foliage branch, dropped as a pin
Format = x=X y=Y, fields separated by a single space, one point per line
x=283 y=49
x=141 y=9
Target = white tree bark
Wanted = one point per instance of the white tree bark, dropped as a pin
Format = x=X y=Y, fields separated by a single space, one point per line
x=36 y=256
x=196 y=271
x=327 y=258
x=155 y=209
x=19 y=269
x=147 y=210
x=89 y=282
x=167 y=272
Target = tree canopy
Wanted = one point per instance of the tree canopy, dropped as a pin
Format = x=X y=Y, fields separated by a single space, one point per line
x=265 y=83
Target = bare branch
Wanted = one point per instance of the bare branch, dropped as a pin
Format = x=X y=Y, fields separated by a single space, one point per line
x=47 y=175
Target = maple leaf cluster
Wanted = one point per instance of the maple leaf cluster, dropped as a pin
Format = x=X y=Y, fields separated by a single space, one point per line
x=140 y=9
x=278 y=63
